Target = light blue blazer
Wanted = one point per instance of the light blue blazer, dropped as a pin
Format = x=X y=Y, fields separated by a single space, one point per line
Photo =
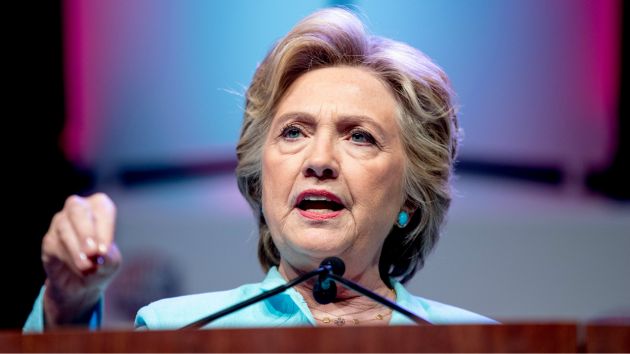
x=286 y=309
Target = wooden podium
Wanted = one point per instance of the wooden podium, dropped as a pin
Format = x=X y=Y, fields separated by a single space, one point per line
x=556 y=337
x=561 y=337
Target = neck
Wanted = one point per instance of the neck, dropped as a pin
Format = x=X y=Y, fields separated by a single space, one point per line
x=347 y=301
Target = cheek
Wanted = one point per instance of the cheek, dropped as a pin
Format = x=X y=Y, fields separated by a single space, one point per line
x=385 y=205
x=379 y=185
x=268 y=177
x=277 y=178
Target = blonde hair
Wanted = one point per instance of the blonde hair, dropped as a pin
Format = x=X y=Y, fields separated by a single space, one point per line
x=427 y=118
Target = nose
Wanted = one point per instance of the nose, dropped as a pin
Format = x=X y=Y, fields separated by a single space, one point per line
x=321 y=160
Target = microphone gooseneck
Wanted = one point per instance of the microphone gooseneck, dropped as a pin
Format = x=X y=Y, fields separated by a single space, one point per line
x=331 y=270
x=380 y=299
x=331 y=265
x=325 y=290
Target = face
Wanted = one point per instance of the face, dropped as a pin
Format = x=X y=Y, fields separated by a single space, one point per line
x=332 y=169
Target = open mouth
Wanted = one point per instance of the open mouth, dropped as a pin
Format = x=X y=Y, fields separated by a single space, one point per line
x=318 y=202
x=319 y=205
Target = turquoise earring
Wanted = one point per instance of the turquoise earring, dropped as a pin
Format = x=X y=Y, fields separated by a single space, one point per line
x=403 y=219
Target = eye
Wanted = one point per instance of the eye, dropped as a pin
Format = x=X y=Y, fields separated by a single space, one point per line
x=361 y=137
x=291 y=132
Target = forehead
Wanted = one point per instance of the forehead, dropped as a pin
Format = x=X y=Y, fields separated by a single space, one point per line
x=340 y=91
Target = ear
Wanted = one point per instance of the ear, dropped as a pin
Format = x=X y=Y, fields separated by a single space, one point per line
x=411 y=212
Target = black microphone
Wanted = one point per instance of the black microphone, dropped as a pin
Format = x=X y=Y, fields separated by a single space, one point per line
x=325 y=290
x=330 y=266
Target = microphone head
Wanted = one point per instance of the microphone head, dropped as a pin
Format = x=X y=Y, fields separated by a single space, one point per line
x=337 y=266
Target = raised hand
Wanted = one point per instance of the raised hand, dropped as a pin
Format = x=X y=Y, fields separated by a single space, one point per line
x=80 y=258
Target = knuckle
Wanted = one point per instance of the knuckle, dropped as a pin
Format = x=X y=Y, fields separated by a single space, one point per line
x=75 y=204
x=50 y=247
x=48 y=238
x=47 y=242
x=103 y=202
x=60 y=225
x=73 y=200
x=100 y=196
x=56 y=218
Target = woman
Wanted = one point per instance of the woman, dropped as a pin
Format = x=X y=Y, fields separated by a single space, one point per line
x=347 y=148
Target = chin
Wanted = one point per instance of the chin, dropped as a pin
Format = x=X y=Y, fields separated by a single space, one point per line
x=319 y=241
x=319 y=252
x=312 y=252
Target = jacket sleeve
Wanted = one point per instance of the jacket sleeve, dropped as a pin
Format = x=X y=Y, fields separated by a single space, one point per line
x=35 y=321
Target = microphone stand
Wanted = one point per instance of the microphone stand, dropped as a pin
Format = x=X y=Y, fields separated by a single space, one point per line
x=382 y=300
x=328 y=269
x=269 y=293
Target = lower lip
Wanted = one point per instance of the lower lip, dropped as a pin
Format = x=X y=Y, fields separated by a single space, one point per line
x=318 y=216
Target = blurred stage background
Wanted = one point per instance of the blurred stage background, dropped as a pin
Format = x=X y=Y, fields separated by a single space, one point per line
x=142 y=100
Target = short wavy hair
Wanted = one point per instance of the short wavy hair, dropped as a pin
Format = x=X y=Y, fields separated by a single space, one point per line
x=426 y=117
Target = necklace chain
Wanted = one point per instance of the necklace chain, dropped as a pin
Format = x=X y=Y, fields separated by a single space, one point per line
x=340 y=321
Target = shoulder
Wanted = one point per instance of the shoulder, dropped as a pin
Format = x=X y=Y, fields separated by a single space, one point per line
x=440 y=313
x=279 y=310
x=437 y=312
x=176 y=312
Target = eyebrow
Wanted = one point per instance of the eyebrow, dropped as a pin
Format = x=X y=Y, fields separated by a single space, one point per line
x=351 y=118
x=295 y=116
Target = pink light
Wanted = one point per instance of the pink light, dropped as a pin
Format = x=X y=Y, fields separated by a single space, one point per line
x=75 y=127
x=606 y=17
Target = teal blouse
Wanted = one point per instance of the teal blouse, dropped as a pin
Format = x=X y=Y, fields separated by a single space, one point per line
x=286 y=309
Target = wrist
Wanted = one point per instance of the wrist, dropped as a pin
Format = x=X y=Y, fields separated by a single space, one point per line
x=68 y=308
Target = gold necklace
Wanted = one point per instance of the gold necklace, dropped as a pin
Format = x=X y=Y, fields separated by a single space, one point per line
x=340 y=321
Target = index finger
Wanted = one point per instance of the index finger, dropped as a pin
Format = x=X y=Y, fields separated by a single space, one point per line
x=104 y=212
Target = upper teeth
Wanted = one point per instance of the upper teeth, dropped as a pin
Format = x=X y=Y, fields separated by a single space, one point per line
x=314 y=197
